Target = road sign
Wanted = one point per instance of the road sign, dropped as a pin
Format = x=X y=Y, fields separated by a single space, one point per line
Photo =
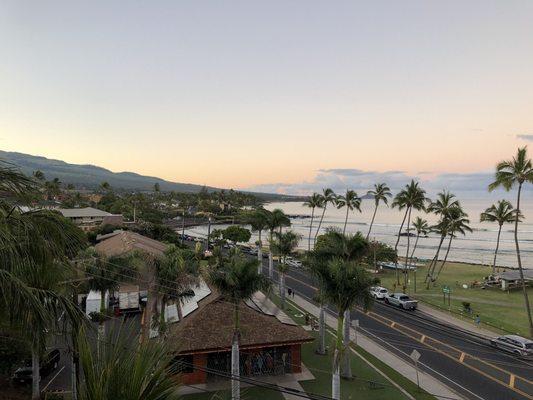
x=446 y=289
x=415 y=355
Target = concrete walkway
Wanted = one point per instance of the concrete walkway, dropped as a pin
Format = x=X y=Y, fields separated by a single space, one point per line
x=427 y=382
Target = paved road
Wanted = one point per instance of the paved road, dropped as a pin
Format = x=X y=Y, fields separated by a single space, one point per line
x=463 y=361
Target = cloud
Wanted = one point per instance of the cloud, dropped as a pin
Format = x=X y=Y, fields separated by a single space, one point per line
x=529 y=138
x=340 y=179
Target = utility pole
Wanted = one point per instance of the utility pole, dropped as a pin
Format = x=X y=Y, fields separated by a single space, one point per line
x=208 y=231
x=183 y=226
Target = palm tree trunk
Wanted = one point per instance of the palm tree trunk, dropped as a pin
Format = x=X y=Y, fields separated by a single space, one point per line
x=36 y=376
x=270 y=259
x=235 y=357
x=406 y=269
x=433 y=263
x=321 y=219
x=346 y=220
x=524 y=289
x=496 y=251
x=322 y=330
x=282 y=289
x=372 y=222
x=311 y=229
x=346 y=360
x=445 y=258
x=396 y=247
x=416 y=244
x=335 y=377
x=260 y=254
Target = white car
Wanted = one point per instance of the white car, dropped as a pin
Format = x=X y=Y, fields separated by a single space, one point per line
x=379 y=292
x=514 y=344
x=401 y=300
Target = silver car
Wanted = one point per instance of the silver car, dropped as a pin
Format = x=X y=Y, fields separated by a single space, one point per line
x=514 y=344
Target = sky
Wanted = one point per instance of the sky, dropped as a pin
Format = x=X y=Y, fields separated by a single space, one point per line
x=277 y=96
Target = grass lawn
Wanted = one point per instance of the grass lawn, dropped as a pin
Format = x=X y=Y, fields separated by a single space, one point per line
x=496 y=308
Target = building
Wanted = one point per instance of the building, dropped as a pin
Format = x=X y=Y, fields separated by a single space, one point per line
x=89 y=218
x=511 y=279
x=270 y=342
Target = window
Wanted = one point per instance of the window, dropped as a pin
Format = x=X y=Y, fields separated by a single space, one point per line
x=182 y=365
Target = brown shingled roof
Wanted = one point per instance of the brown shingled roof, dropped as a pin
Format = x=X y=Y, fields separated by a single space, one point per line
x=128 y=241
x=211 y=329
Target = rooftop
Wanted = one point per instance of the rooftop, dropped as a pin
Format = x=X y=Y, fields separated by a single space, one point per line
x=126 y=241
x=83 y=212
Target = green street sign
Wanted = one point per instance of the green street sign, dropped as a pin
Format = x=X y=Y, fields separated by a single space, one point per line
x=446 y=289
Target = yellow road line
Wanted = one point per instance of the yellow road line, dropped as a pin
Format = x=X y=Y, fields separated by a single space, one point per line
x=511 y=380
x=422 y=338
x=462 y=358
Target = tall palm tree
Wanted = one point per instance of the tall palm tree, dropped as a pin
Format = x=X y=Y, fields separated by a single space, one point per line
x=237 y=279
x=39 y=175
x=503 y=213
x=442 y=205
x=512 y=173
x=344 y=285
x=258 y=219
x=176 y=276
x=422 y=228
x=284 y=245
x=415 y=198
x=122 y=367
x=336 y=246
x=315 y=201
x=457 y=223
x=328 y=197
x=276 y=219
x=351 y=201
x=380 y=193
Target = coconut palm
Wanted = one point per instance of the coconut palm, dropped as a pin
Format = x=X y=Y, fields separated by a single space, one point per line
x=259 y=222
x=380 y=193
x=284 y=245
x=315 y=201
x=414 y=198
x=442 y=205
x=276 y=219
x=122 y=367
x=344 y=284
x=422 y=228
x=328 y=197
x=457 y=222
x=237 y=279
x=39 y=175
x=351 y=201
x=331 y=246
x=176 y=276
x=511 y=173
x=503 y=213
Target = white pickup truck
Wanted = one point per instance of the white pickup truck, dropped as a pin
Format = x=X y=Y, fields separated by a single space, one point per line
x=401 y=300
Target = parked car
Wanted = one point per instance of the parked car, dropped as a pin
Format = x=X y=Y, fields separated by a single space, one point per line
x=379 y=292
x=49 y=363
x=514 y=344
x=401 y=300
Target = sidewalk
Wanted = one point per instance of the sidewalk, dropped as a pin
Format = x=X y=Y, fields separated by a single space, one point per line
x=450 y=318
x=427 y=382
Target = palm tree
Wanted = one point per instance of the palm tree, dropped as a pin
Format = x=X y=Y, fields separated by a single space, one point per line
x=276 y=219
x=415 y=198
x=105 y=186
x=259 y=222
x=39 y=175
x=503 y=213
x=284 y=245
x=512 y=173
x=380 y=193
x=445 y=202
x=328 y=197
x=315 y=201
x=123 y=367
x=175 y=276
x=344 y=285
x=237 y=279
x=457 y=222
x=422 y=228
x=351 y=201
x=336 y=246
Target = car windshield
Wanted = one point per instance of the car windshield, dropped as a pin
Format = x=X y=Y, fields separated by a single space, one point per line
x=383 y=290
x=529 y=346
x=404 y=298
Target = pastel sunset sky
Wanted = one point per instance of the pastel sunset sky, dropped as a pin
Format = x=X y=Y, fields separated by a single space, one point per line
x=268 y=94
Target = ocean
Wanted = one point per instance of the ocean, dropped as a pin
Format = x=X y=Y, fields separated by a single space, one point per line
x=476 y=247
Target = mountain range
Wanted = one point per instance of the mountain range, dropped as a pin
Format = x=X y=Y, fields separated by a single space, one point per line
x=87 y=176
